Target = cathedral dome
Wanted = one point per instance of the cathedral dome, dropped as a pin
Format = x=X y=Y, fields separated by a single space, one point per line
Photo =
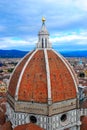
x=43 y=76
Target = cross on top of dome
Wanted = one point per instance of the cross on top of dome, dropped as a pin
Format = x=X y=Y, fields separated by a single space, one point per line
x=43 y=19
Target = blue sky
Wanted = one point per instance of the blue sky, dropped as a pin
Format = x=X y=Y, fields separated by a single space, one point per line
x=66 y=21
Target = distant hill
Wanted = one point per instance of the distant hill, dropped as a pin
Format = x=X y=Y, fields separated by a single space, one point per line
x=79 y=53
x=12 y=53
x=20 y=54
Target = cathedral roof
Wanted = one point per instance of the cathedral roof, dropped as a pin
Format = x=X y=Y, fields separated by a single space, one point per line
x=43 y=75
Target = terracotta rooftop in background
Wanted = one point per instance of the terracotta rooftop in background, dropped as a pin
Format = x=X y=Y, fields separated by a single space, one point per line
x=83 y=104
x=84 y=123
x=35 y=78
x=29 y=126
x=6 y=126
x=2 y=118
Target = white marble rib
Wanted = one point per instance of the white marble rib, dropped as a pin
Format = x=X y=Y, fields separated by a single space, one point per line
x=48 y=76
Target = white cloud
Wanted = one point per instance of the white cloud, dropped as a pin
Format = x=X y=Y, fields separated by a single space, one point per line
x=23 y=18
x=80 y=38
x=3 y=46
x=9 y=42
x=81 y=4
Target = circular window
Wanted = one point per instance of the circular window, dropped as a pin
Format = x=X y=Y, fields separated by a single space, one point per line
x=63 y=117
x=33 y=119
